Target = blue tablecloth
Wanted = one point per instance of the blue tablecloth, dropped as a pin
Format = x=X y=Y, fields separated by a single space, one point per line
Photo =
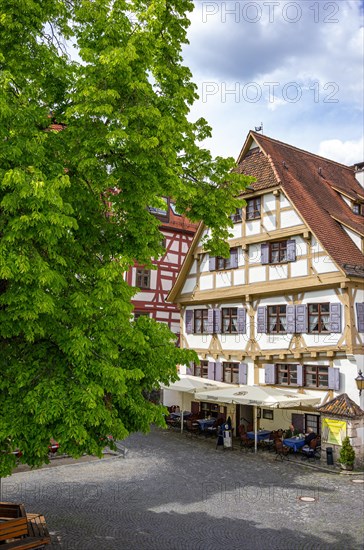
x=262 y=434
x=206 y=423
x=175 y=415
x=294 y=443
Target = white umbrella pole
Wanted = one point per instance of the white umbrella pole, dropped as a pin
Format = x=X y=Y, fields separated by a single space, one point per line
x=181 y=417
x=255 y=430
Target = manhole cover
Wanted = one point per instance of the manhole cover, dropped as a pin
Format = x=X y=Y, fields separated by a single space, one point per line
x=307 y=499
x=357 y=480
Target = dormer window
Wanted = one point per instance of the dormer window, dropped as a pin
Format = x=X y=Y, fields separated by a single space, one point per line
x=357 y=209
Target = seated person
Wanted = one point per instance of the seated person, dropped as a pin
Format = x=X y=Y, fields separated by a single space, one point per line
x=310 y=436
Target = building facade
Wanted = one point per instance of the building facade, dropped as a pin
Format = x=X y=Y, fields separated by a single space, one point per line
x=286 y=309
x=154 y=284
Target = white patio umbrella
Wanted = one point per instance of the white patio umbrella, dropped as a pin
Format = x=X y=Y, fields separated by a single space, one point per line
x=192 y=384
x=258 y=396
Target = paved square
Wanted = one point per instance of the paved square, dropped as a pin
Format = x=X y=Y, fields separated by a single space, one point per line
x=171 y=492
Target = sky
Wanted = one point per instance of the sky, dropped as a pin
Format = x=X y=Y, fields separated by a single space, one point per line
x=296 y=67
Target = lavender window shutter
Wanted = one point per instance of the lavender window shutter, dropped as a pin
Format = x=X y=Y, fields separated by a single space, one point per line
x=360 y=316
x=291 y=319
x=262 y=319
x=211 y=370
x=300 y=375
x=217 y=321
x=264 y=251
x=335 y=317
x=210 y=321
x=243 y=373
x=241 y=320
x=301 y=318
x=212 y=263
x=291 y=250
x=190 y=368
x=218 y=371
x=269 y=373
x=189 y=321
x=233 y=258
x=334 y=378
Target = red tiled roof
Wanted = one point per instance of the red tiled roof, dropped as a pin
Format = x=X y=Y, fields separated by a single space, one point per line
x=308 y=181
x=342 y=406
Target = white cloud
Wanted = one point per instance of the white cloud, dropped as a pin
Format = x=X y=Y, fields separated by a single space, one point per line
x=347 y=152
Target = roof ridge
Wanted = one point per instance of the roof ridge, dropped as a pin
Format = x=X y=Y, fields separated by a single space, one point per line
x=302 y=150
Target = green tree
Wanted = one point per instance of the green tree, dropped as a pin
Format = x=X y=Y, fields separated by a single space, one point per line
x=73 y=366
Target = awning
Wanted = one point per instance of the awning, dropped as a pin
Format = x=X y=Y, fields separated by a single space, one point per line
x=259 y=396
x=191 y=384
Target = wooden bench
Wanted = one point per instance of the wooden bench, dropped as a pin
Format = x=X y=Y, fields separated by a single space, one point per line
x=21 y=531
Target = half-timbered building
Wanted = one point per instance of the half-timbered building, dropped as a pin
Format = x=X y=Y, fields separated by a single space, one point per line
x=154 y=284
x=286 y=309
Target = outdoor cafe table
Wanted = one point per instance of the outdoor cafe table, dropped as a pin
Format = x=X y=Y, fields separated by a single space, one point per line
x=206 y=423
x=295 y=443
x=261 y=434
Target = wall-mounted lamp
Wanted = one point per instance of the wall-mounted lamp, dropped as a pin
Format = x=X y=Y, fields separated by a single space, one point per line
x=360 y=382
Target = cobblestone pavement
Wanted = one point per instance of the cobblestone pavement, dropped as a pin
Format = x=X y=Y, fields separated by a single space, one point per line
x=171 y=492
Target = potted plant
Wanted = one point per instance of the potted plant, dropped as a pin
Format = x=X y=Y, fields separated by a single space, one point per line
x=347 y=455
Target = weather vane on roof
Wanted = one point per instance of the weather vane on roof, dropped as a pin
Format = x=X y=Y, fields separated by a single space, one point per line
x=259 y=128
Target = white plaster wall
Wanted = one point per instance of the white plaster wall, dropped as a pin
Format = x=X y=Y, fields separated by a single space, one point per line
x=273 y=341
x=360 y=177
x=166 y=284
x=252 y=227
x=172 y=258
x=346 y=200
x=257 y=274
x=206 y=282
x=301 y=246
x=253 y=145
x=239 y=277
x=185 y=248
x=193 y=268
x=174 y=246
x=299 y=268
x=201 y=341
x=241 y=257
x=235 y=230
x=269 y=202
x=284 y=202
x=189 y=285
x=324 y=265
x=353 y=236
x=204 y=267
x=315 y=245
x=223 y=279
x=323 y=295
x=133 y=277
x=277 y=272
x=290 y=218
x=174 y=327
x=144 y=296
x=254 y=254
x=273 y=300
x=176 y=316
x=235 y=342
x=163 y=314
x=270 y=222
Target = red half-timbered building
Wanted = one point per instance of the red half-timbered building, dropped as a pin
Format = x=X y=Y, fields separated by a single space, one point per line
x=155 y=284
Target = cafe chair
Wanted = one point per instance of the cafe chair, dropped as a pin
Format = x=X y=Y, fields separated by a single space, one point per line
x=310 y=451
x=192 y=428
x=245 y=442
x=281 y=450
